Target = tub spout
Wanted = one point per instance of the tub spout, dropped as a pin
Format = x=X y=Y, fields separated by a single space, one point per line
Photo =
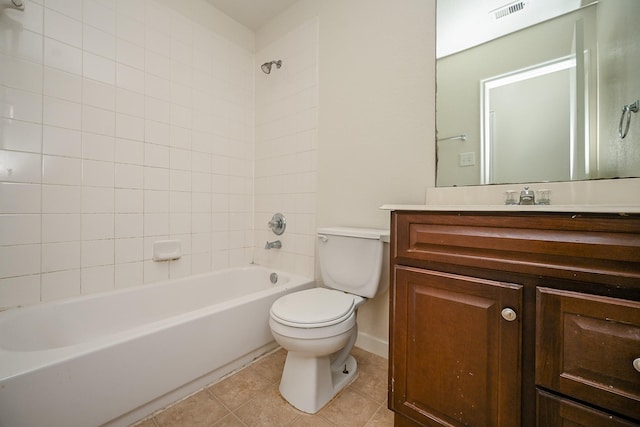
x=273 y=245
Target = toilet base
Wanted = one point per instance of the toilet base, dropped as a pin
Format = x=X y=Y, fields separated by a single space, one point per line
x=308 y=383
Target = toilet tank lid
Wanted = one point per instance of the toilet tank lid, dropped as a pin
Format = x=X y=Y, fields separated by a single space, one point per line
x=363 y=233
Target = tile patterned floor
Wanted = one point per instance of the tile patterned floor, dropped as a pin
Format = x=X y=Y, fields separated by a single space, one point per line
x=250 y=398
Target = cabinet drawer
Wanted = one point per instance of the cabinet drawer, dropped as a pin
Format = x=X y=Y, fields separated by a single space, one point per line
x=586 y=348
x=554 y=411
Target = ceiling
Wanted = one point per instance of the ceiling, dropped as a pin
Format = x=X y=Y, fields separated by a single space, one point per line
x=252 y=13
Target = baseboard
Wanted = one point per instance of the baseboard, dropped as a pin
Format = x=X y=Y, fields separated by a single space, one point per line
x=373 y=344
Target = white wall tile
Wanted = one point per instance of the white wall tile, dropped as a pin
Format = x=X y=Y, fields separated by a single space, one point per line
x=61 y=113
x=98 y=94
x=60 y=284
x=98 y=68
x=157 y=41
x=157 y=110
x=180 y=181
x=156 y=201
x=19 y=290
x=129 y=176
x=99 y=42
x=98 y=174
x=156 y=155
x=131 y=8
x=19 y=260
x=19 y=229
x=97 y=252
x=60 y=227
x=20 y=105
x=157 y=133
x=180 y=223
x=128 y=201
x=156 y=224
x=98 y=120
x=62 y=56
x=157 y=87
x=97 y=226
x=181 y=201
x=130 y=28
x=62 y=28
x=130 y=78
x=72 y=8
x=26 y=45
x=128 y=225
x=60 y=256
x=62 y=85
x=130 y=274
x=97 y=279
x=130 y=127
x=100 y=16
x=16 y=166
x=129 y=250
x=20 y=74
x=157 y=65
x=61 y=170
x=130 y=54
x=20 y=198
x=19 y=135
x=129 y=151
x=98 y=147
x=131 y=103
x=98 y=199
x=61 y=199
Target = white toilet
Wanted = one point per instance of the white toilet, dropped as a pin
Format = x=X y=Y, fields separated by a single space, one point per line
x=318 y=326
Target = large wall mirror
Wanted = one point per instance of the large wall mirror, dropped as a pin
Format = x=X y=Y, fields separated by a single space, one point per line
x=537 y=91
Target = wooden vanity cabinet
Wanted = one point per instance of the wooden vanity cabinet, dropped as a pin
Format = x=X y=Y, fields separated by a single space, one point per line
x=514 y=319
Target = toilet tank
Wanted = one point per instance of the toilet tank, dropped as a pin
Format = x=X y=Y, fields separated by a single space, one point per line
x=351 y=259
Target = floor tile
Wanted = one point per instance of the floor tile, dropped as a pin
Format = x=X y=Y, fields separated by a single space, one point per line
x=268 y=411
x=239 y=388
x=250 y=398
x=201 y=409
x=349 y=409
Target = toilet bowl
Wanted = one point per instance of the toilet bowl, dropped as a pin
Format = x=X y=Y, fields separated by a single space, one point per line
x=318 y=326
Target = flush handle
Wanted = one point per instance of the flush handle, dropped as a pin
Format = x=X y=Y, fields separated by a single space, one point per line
x=636 y=364
x=509 y=314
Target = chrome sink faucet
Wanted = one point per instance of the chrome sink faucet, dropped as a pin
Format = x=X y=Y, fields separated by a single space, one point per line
x=277 y=244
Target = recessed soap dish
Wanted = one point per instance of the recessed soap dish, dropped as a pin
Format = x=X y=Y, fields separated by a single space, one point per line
x=166 y=250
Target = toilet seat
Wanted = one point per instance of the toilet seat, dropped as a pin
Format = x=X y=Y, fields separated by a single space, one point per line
x=313 y=308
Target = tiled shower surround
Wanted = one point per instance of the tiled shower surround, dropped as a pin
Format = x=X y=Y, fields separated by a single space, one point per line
x=123 y=123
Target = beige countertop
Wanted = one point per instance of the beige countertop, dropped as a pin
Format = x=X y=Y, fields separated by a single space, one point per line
x=620 y=209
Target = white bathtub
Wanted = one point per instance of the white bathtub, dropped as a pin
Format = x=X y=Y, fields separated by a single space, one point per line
x=114 y=358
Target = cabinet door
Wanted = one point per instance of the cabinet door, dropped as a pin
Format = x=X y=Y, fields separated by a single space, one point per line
x=455 y=358
x=588 y=348
x=555 y=411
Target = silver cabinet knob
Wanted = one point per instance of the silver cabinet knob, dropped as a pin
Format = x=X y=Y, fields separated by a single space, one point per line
x=509 y=314
x=636 y=364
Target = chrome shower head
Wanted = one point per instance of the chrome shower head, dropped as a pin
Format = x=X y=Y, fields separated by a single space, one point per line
x=266 y=67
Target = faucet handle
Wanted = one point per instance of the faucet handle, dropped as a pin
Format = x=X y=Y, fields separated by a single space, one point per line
x=527 y=197
x=277 y=224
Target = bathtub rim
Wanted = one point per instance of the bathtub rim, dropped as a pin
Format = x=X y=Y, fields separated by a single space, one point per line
x=16 y=363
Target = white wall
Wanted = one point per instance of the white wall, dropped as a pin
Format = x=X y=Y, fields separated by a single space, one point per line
x=122 y=122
